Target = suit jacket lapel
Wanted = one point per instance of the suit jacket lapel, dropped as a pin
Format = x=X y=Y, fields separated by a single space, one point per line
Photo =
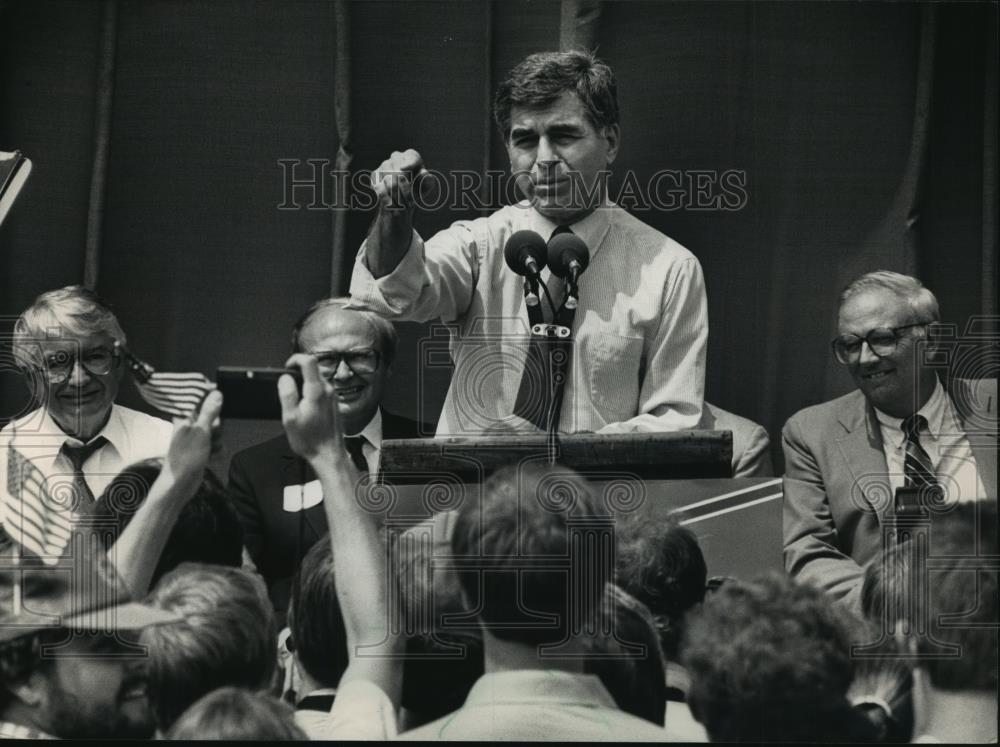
x=296 y=471
x=862 y=450
x=980 y=429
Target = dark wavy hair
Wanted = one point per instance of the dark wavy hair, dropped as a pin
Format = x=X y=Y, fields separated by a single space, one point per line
x=770 y=661
x=519 y=532
x=542 y=78
x=630 y=661
x=314 y=619
x=661 y=565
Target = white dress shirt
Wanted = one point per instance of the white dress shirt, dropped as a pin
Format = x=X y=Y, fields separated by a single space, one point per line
x=946 y=444
x=639 y=336
x=132 y=436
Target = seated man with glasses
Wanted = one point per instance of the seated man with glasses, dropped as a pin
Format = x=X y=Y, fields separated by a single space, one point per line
x=904 y=426
x=276 y=493
x=78 y=437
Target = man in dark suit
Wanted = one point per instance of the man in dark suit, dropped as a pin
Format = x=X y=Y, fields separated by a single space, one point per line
x=904 y=426
x=276 y=493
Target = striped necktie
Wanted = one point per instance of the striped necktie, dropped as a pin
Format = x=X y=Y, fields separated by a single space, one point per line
x=78 y=455
x=917 y=467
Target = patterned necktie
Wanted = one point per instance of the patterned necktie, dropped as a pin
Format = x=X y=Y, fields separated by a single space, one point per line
x=78 y=455
x=355 y=447
x=917 y=467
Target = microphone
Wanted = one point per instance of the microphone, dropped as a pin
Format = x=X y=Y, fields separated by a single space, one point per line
x=568 y=258
x=525 y=253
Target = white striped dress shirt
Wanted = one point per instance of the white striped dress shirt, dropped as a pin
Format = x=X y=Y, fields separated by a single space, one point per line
x=640 y=332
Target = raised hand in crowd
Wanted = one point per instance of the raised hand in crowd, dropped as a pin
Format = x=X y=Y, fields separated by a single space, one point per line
x=359 y=556
x=140 y=545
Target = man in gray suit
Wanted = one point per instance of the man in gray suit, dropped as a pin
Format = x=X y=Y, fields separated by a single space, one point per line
x=751 y=445
x=903 y=426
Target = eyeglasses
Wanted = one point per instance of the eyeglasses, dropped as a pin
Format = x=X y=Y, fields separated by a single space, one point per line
x=359 y=361
x=58 y=365
x=882 y=341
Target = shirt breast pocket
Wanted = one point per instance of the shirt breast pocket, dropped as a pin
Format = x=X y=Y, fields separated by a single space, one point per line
x=612 y=370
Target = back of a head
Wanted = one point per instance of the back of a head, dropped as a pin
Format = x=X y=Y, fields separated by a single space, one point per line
x=317 y=627
x=628 y=658
x=521 y=531
x=663 y=567
x=959 y=650
x=235 y=713
x=769 y=661
x=542 y=78
x=208 y=529
x=227 y=637
x=443 y=660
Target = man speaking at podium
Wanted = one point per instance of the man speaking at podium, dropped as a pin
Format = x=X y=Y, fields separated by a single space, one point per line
x=637 y=359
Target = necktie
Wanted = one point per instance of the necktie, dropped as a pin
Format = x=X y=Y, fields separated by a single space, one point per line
x=539 y=396
x=917 y=467
x=78 y=455
x=355 y=447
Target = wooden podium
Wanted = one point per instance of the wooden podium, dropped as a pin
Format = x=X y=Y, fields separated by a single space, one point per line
x=738 y=521
x=644 y=456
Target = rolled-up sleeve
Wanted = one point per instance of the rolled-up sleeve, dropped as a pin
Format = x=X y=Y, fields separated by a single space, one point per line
x=434 y=280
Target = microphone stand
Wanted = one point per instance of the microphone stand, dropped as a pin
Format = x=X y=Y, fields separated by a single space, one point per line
x=531 y=300
x=560 y=336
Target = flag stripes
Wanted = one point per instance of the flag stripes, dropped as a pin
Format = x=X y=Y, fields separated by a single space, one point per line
x=173 y=393
x=32 y=518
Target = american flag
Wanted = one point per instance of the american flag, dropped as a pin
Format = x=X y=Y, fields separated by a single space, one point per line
x=172 y=393
x=32 y=518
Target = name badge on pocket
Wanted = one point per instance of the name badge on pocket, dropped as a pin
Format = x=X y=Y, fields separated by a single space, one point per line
x=300 y=497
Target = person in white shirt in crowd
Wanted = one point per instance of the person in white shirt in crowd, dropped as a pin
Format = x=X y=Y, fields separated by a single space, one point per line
x=78 y=436
x=538 y=599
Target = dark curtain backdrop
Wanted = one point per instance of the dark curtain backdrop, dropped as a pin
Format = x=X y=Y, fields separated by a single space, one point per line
x=866 y=133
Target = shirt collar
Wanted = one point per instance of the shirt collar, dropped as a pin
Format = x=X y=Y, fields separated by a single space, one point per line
x=933 y=411
x=322 y=692
x=372 y=432
x=114 y=431
x=537 y=686
x=592 y=228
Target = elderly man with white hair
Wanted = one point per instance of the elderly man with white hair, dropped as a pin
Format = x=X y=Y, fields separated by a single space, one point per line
x=65 y=346
x=904 y=426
